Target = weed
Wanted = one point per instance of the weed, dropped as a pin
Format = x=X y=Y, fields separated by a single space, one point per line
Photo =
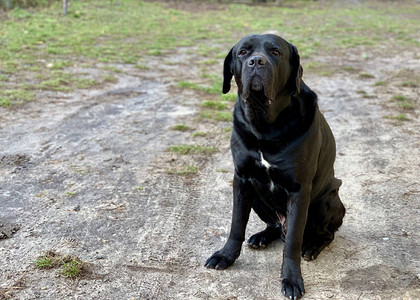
x=139 y=188
x=69 y=194
x=192 y=149
x=72 y=268
x=44 y=262
x=379 y=83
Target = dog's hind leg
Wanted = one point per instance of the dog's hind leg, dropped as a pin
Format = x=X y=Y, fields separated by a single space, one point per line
x=273 y=231
x=324 y=218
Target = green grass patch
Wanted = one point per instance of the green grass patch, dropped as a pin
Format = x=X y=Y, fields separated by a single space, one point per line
x=217 y=115
x=214 y=104
x=17 y=96
x=215 y=87
x=229 y=97
x=42 y=41
x=192 y=149
x=65 y=82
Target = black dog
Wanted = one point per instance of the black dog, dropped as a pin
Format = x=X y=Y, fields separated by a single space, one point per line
x=283 y=151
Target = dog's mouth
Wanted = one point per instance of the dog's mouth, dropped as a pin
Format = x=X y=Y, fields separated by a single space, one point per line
x=256 y=93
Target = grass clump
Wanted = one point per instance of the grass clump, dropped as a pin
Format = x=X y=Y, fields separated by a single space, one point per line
x=188 y=170
x=403 y=102
x=200 y=134
x=379 y=83
x=45 y=262
x=192 y=149
x=181 y=127
x=217 y=115
x=409 y=84
x=71 y=266
x=399 y=117
x=366 y=76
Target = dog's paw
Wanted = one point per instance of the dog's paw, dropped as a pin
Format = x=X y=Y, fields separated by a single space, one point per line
x=264 y=238
x=311 y=251
x=292 y=283
x=292 y=290
x=220 y=260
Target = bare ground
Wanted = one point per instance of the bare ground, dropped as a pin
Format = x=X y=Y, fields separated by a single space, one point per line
x=86 y=174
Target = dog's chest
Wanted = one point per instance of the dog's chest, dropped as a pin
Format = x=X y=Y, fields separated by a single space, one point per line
x=270 y=175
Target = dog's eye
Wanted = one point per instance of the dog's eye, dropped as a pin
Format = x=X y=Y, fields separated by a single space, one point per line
x=276 y=53
x=242 y=52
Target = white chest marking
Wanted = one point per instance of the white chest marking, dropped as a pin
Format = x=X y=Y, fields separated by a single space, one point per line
x=267 y=165
x=264 y=162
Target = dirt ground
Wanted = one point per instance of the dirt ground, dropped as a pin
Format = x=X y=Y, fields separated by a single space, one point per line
x=85 y=173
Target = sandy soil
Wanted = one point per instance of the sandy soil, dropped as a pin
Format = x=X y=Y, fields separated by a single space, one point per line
x=71 y=166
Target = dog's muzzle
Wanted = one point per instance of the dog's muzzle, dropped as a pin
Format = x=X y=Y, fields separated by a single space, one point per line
x=257 y=77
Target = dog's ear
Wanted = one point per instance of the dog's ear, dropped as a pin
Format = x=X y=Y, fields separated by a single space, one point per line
x=296 y=72
x=227 y=72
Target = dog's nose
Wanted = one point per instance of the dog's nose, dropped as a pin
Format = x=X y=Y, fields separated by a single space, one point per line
x=257 y=61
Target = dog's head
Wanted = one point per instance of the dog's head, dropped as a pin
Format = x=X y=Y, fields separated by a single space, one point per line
x=267 y=71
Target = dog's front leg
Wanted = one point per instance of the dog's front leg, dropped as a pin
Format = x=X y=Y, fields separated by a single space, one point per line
x=242 y=202
x=297 y=211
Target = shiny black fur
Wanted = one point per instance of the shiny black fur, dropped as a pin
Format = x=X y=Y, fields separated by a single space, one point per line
x=283 y=151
